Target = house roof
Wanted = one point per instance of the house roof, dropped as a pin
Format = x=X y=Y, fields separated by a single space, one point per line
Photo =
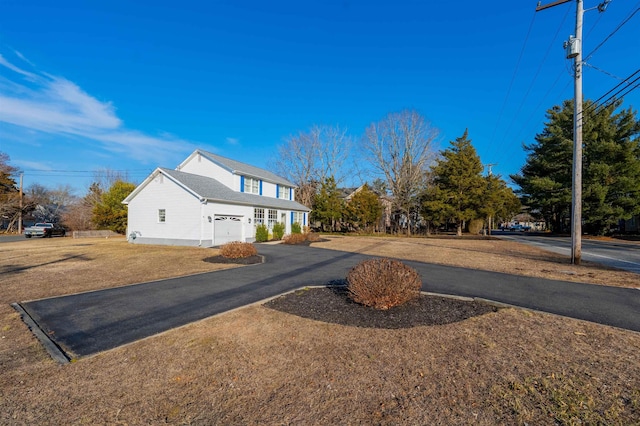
x=210 y=189
x=245 y=169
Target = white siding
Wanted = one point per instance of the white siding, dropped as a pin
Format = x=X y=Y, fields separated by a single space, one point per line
x=269 y=189
x=182 y=212
x=202 y=166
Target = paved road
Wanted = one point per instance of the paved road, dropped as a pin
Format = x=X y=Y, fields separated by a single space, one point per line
x=11 y=238
x=618 y=254
x=88 y=323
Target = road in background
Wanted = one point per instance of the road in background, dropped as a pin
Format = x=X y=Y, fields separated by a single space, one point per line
x=618 y=254
x=11 y=238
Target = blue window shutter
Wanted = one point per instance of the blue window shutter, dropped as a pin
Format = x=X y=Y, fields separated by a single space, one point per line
x=260 y=186
x=291 y=193
x=241 y=183
x=304 y=219
x=277 y=191
x=292 y=218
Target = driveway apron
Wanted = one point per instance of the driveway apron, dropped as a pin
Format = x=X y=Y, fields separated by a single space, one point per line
x=86 y=323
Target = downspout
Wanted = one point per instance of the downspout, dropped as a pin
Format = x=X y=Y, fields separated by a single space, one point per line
x=202 y=203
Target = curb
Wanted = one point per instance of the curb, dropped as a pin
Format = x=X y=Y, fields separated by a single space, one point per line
x=50 y=346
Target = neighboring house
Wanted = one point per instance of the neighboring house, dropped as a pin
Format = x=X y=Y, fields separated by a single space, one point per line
x=385 y=220
x=527 y=220
x=210 y=200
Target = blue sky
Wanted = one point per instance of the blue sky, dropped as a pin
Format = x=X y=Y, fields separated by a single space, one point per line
x=131 y=86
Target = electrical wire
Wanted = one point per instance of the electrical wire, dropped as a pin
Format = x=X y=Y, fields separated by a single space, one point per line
x=513 y=77
x=599 y=103
x=624 y=21
x=535 y=77
x=498 y=147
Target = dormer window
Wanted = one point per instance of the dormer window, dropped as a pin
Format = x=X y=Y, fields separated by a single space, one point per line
x=251 y=185
x=283 y=192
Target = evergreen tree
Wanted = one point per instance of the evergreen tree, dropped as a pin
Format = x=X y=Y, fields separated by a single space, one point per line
x=611 y=167
x=499 y=202
x=328 y=204
x=434 y=207
x=364 y=208
x=458 y=185
x=110 y=213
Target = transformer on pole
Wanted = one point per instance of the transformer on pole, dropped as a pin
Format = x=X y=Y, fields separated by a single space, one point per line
x=573 y=48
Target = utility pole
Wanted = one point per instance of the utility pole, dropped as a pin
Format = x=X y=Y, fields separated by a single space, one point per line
x=574 y=50
x=576 y=189
x=489 y=166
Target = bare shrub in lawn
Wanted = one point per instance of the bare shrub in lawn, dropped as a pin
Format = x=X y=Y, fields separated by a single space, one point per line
x=383 y=283
x=238 y=250
x=294 y=239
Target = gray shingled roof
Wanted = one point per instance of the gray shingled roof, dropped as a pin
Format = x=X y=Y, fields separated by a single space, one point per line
x=247 y=169
x=213 y=190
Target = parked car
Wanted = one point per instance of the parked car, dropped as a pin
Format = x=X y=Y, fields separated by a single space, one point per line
x=519 y=227
x=44 y=230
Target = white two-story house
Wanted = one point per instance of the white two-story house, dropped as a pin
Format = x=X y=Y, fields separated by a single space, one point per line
x=210 y=200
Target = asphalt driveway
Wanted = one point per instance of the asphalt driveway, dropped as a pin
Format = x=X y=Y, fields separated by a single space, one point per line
x=87 y=323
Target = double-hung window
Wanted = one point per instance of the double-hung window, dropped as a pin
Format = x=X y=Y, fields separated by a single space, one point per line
x=162 y=215
x=283 y=192
x=298 y=217
x=251 y=185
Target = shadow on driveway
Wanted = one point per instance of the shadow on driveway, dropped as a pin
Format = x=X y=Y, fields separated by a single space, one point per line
x=88 y=323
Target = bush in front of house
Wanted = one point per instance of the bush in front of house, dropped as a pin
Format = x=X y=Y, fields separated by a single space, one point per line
x=278 y=231
x=238 y=250
x=296 y=228
x=262 y=233
x=294 y=239
x=383 y=283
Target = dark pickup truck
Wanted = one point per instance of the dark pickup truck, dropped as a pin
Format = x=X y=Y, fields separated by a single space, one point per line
x=44 y=230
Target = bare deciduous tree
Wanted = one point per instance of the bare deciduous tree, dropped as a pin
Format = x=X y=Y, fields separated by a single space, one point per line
x=9 y=196
x=308 y=158
x=400 y=147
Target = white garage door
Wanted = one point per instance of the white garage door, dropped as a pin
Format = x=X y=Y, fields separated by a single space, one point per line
x=226 y=229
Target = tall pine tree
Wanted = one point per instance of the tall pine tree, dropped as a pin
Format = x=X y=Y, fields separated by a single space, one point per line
x=611 y=168
x=328 y=204
x=458 y=184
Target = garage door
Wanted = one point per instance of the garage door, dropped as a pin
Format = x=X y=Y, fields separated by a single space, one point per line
x=226 y=229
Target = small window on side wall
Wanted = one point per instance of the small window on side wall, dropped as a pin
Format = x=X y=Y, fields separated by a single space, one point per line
x=162 y=215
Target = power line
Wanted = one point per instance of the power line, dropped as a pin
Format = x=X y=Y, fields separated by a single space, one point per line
x=513 y=77
x=598 y=104
x=535 y=77
x=85 y=171
x=627 y=19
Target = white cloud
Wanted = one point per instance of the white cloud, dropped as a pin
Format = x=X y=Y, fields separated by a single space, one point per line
x=233 y=141
x=38 y=101
x=33 y=165
x=13 y=68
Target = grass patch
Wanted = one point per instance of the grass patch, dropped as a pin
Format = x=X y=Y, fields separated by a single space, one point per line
x=263 y=366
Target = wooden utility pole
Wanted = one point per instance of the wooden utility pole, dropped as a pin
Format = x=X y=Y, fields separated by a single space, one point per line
x=576 y=189
x=574 y=50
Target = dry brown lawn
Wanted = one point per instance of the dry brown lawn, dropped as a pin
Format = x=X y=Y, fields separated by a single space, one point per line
x=261 y=366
